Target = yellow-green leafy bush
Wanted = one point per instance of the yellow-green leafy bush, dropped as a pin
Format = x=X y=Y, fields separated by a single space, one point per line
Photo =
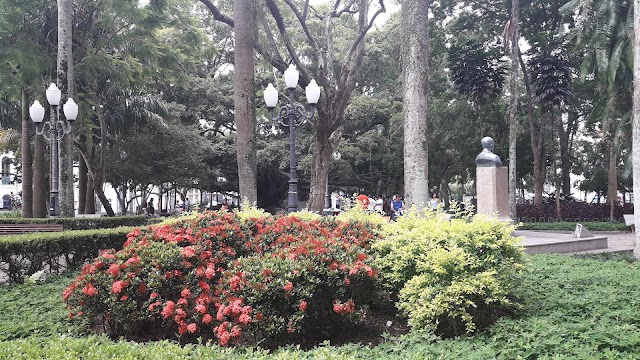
x=451 y=276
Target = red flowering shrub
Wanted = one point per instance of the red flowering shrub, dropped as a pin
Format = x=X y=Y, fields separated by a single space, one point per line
x=229 y=277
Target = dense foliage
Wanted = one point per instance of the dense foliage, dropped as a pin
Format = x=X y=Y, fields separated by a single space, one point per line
x=571 y=309
x=232 y=276
x=452 y=277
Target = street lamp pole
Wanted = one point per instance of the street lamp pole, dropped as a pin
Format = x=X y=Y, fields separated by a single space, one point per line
x=292 y=115
x=54 y=130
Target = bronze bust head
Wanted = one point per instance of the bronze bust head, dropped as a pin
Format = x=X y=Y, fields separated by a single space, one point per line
x=487 y=158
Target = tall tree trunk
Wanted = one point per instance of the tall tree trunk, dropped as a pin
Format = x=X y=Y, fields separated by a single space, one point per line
x=320 y=167
x=565 y=153
x=556 y=123
x=25 y=149
x=415 y=67
x=513 y=107
x=612 y=183
x=39 y=180
x=82 y=186
x=90 y=200
x=244 y=101
x=66 y=83
x=537 y=139
x=636 y=122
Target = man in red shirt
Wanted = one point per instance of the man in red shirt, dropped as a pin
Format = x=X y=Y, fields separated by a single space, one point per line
x=363 y=200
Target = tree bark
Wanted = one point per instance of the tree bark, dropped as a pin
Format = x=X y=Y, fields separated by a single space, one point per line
x=565 y=153
x=39 y=180
x=66 y=83
x=244 y=101
x=513 y=107
x=82 y=186
x=612 y=183
x=320 y=167
x=556 y=122
x=414 y=47
x=90 y=200
x=636 y=121
x=25 y=149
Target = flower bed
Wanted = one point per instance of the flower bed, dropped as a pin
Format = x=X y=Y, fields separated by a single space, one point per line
x=233 y=277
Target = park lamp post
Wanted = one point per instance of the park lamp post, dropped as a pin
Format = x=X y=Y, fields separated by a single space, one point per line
x=291 y=115
x=54 y=130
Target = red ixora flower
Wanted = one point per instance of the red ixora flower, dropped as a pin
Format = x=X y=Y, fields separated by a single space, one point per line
x=89 y=290
x=117 y=286
x=185 y=293
x=114 y=270
x=288 y=286
x=192 y=328
x=303 y=305
x=167 y=311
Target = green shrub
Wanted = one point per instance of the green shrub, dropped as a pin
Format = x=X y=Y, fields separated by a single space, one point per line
x=571 y=226
x=572 y=309
x=25 y=254
x=451 y=276
x=10 y=214
x=231 y=277
x=87 y=223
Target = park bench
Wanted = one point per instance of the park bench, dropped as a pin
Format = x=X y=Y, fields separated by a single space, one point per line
x=9 y=229
x=629 y=220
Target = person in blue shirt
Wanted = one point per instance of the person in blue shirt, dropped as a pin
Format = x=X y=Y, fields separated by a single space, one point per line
x=397 y=206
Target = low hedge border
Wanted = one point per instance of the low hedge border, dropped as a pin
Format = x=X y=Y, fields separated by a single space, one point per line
x=26 y=254
x=570 y=226
x=87 y=223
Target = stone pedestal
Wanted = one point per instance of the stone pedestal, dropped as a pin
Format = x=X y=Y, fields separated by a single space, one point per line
x=492 y=187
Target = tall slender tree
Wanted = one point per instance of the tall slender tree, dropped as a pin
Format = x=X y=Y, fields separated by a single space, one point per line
x=636 y=119
x=66 y=83
x=415 y=49
x=25 y=150
x=514 y=29
x=244 y=100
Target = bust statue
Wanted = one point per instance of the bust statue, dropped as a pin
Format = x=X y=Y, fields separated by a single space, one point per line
x=487 y=158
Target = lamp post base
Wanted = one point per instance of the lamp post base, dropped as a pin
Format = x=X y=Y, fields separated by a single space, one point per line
x=54 y=209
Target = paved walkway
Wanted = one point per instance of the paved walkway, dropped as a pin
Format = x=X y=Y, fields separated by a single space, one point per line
x=618 y=241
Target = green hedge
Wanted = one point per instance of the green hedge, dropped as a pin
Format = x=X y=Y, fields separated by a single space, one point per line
x=25 y=254
x=87 y=223
x=570 y=226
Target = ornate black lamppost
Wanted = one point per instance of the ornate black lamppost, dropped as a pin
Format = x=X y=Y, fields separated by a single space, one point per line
x=291 y=115
x=54 y=130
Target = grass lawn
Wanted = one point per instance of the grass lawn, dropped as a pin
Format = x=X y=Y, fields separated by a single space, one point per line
x=571 y=226
x=573 y=308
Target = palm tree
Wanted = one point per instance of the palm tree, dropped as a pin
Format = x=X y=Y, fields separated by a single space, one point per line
x=66 y=83
x=636 y=120
x=477 y=73
x=550 y=81
x=602 y=34
x=513 y=36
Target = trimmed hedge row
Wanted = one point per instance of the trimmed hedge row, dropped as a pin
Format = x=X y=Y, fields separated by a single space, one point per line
x=570 y=211
x=25 y=254
x=87 y=223
x=570 y=226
